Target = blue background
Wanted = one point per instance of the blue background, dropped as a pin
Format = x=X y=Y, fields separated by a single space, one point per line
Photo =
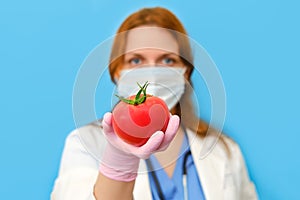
x=255 y=45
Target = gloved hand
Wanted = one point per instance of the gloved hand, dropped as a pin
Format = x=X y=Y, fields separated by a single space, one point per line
x=120 y=160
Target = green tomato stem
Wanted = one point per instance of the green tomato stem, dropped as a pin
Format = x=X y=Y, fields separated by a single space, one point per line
x=139 y=99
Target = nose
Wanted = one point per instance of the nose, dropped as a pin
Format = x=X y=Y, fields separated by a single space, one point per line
x=150 y=62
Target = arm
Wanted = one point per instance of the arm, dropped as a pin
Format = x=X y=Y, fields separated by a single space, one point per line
x=81 y=178
x=106 y=188
x=78 y=171
x=247 y=187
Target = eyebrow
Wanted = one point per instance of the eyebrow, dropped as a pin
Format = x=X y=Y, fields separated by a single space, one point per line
x=161 y=56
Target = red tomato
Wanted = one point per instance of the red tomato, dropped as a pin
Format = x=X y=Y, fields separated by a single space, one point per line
x=135 y=120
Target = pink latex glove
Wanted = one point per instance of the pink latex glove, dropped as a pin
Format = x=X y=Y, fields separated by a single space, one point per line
x=120 y=160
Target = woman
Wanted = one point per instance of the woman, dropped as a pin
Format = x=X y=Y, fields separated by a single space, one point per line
x=150 y=47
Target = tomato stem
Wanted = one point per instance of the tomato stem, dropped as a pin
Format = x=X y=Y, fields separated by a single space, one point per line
x=139 y=97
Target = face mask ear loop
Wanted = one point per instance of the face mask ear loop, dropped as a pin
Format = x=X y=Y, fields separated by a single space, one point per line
x=184 y=69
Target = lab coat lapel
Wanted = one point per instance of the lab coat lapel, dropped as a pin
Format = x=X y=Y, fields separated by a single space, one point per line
x=211 y=169
x=142 y=188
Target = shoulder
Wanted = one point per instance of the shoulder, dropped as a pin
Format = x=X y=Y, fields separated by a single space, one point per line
x=90 y=135
x=232 y=145
x=84 y=143
x=229 y=148
x=86 y=130
x=215 y=144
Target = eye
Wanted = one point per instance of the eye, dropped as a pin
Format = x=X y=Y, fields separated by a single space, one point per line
x=135 y=61
x=168 y=61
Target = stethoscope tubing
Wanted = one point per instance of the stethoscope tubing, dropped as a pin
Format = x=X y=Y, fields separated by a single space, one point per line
x=156 y=182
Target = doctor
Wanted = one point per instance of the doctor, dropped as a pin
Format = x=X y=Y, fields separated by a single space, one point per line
x=166 y=167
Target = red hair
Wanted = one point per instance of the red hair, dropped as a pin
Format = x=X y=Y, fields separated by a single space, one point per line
x=161 y=17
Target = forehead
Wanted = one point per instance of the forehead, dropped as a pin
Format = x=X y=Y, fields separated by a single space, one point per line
x=151 y=38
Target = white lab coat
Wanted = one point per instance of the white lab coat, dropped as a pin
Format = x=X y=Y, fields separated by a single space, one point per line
x=222 y=178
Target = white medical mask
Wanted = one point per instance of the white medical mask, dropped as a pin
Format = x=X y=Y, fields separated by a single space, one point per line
x=166 y=83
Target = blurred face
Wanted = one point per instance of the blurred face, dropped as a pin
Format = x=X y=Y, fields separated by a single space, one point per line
x=150 y=46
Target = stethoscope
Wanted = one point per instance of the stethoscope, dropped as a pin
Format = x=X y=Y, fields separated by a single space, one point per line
x=157 y=184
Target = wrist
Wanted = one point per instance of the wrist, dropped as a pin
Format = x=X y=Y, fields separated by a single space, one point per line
x=118 y=165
